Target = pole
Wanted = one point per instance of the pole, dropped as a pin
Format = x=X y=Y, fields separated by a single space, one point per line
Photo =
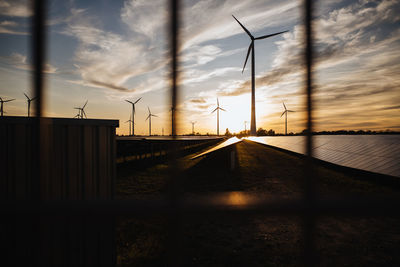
x=218 y=122
x=286 y=123
x=253 y=92
x=133 y=119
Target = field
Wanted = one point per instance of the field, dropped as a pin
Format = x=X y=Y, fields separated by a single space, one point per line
x=256 y=240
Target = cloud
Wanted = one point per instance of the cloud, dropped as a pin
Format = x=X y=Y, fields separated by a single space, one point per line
x=146 y=17
x=199 y=55
x=19 y=61
x=196 y=76
x=7 y=27
x=211 y=20
x=109 y=60
x=15 y=8
x=198 y=100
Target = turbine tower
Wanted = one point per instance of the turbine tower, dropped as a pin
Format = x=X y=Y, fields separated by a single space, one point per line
x=285 y=112
x=130 y=120
x=81 y=111
x=149 y=118
x=253 y=128
x=193 y=123
x=133 y=114
x=29 y=103
x=2 y=102
x=245 y=126
x=217 y=109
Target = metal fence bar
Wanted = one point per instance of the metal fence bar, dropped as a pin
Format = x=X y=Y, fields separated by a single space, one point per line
x=309 y=175
x=175 y=221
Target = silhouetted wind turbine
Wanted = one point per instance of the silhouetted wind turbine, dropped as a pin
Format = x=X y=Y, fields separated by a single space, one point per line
x=130 y=120
x=29 y=103
x=2 y=102
x=133 y=114
x=253 y=81
x=81 y=111
x=217 y=109
x=149 y=118
x=193 y=123
x=285 y=112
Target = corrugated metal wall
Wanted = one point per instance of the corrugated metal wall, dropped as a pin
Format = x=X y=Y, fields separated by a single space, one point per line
x=77 y=162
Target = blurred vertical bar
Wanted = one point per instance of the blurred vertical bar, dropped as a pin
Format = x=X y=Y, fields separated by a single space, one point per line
x=38 y=52
x=309 y=179
x=174 y=227
x=38 y=58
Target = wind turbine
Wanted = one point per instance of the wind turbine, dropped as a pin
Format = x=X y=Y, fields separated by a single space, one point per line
x=133 y=114
x=149 y=118
x=29 y=103
x=81 y=111
x=130 y=120
x=245 y=126
x=193 y=123
x=285 y=112
x=217 y=109
x=2 y=102
x=253 y=128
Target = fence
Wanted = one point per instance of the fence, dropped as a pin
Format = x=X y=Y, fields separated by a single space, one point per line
x=309 y=207
x=156 y=150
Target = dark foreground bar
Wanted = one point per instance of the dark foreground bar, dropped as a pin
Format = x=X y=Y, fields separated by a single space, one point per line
x=77 y=162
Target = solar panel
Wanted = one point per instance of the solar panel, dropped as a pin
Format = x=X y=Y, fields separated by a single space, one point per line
x=229 y=142
x=374 y=153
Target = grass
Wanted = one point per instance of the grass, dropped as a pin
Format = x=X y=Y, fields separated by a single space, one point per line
x=254 y=240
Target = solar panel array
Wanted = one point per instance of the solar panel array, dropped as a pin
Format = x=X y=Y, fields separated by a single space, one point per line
x=374 y=153
x=229 y=142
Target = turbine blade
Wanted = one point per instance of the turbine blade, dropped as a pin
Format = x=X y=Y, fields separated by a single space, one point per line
x=268 y=35
x=214 y=110
x=244 y=28
x=154 y=115
x=222 y=109
x=84 y=113
x=9 y=100
x=284 y=105
x=149 y=110
x=128 y=101
x=291 y=111
x=137 y=100
x=283 y=113
x=147 y=117
x=27 y=96
x=247 y=57
x=217 y=102
x=34 y=98
x=85 y=104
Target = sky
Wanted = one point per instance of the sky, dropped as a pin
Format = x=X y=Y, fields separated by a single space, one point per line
x=107 y=51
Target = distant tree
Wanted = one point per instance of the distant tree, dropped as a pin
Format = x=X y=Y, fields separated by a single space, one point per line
x=262 y=132
x=304 y=132
x=227 y=132
x=271 y=132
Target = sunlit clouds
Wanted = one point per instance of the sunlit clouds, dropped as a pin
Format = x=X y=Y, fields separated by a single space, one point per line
x=114 y=50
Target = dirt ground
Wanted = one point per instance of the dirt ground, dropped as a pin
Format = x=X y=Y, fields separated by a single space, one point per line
x=254 y=240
